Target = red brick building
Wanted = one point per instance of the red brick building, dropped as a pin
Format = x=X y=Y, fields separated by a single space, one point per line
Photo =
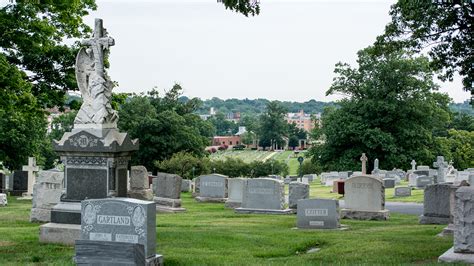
x=226 y=140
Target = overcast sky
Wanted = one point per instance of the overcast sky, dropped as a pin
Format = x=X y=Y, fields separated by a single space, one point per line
x=288 y=52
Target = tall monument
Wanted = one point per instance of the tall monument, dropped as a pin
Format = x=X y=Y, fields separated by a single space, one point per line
x=95 y=154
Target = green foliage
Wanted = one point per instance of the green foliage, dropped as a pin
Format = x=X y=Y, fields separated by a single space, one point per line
x=235 y=167
x=444 y=28
x=246 y=7
x=294 y=135
x=182 y=164
x=164 y=126
x=462 y=121
x=310 y=167
x=31 y=38
x=390 y=113
x=223 y=127
x=22 y=121
x=458 y=147
x=253 y=108
x=273 y=126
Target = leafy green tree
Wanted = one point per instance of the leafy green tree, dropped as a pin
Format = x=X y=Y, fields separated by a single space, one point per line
x=31 y=38
x=22 y=121
x=458 y=147
x=182 y=164
x=273 y=127
x=294 y=135
x=462 y=121
x=223 y=127
x=390 y=112
x=444 y=28
x=164 y=126
x=246 y=7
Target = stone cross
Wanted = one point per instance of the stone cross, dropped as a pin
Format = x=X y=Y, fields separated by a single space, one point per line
x=413 y=165
x=364 y=159
x=441 y=165
x=31 y=168
x=98 y=44
x=376 y=164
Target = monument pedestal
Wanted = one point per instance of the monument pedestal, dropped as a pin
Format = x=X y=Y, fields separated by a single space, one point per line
x=95 y=166
x=451 y=257
x=364 y=215
x=232 y=204
x=210 y=200
x=168 y=205
x=264 y=211
x=59 y=233
x=424 y=219
x=447 y=231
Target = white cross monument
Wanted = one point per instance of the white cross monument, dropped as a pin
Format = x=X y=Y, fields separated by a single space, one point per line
x=31 y=168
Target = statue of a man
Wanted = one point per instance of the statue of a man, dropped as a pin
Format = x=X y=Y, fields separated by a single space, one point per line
x=95 y=85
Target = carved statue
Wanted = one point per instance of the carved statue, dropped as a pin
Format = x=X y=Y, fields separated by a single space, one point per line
x=94 y=84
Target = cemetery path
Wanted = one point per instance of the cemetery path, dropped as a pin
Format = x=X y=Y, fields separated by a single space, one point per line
x=401 y=207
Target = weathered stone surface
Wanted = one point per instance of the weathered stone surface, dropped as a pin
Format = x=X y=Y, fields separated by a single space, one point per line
x=297 y=191
x=186 y=185
x=464 y=221
x=318 y=214
x=422 y=181
x=167 y=185
x=20 y=183
x=120 y=220
x=141 y=194
x=365 y=215
x=364 y=193
x=402 y=192
x=59 y=233
x=436 y=204
x=264 y=193
x=46 y=194
x=139 y=177
x=451 y=257
x=236 y=190
x=213 y=186
x=3 y=200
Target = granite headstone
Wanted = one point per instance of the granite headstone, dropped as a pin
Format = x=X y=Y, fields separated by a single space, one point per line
x=318 y=214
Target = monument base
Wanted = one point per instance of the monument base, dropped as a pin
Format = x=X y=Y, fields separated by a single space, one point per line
x=447 y=231
x=25 y=196
x=157 y=260
x=168 y=209
x=452 y=257
x=364 y=215
x=433 y=220
x=264 y=211
x=141 y=194
x=173 y=203
x=56 y=233
x=66 y=213
x=211 y=200
x=232 y=204
x=40 y=215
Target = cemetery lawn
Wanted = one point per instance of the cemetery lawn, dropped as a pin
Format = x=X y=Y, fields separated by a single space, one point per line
x=208 y=234
x=319 y=191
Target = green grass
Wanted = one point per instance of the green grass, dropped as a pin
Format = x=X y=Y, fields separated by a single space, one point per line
x=208 y=234
x=319 y=191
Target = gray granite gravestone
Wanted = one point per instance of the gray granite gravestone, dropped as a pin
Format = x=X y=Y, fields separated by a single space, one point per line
x=389 y=182
x=364 y=199
x=463 y=248
x=121 y=220
x=139 y=185
x=95 y=153
x=264 y=195
x=422 y=181
x=197 y=185
x=186 y=185
x=402 y=192
x=167 y=190
x=236 y=190
x=46 y=194
x=436 y=204
x=318 y=214
x=296 y=192
x=213 y=188
x=2 y=182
